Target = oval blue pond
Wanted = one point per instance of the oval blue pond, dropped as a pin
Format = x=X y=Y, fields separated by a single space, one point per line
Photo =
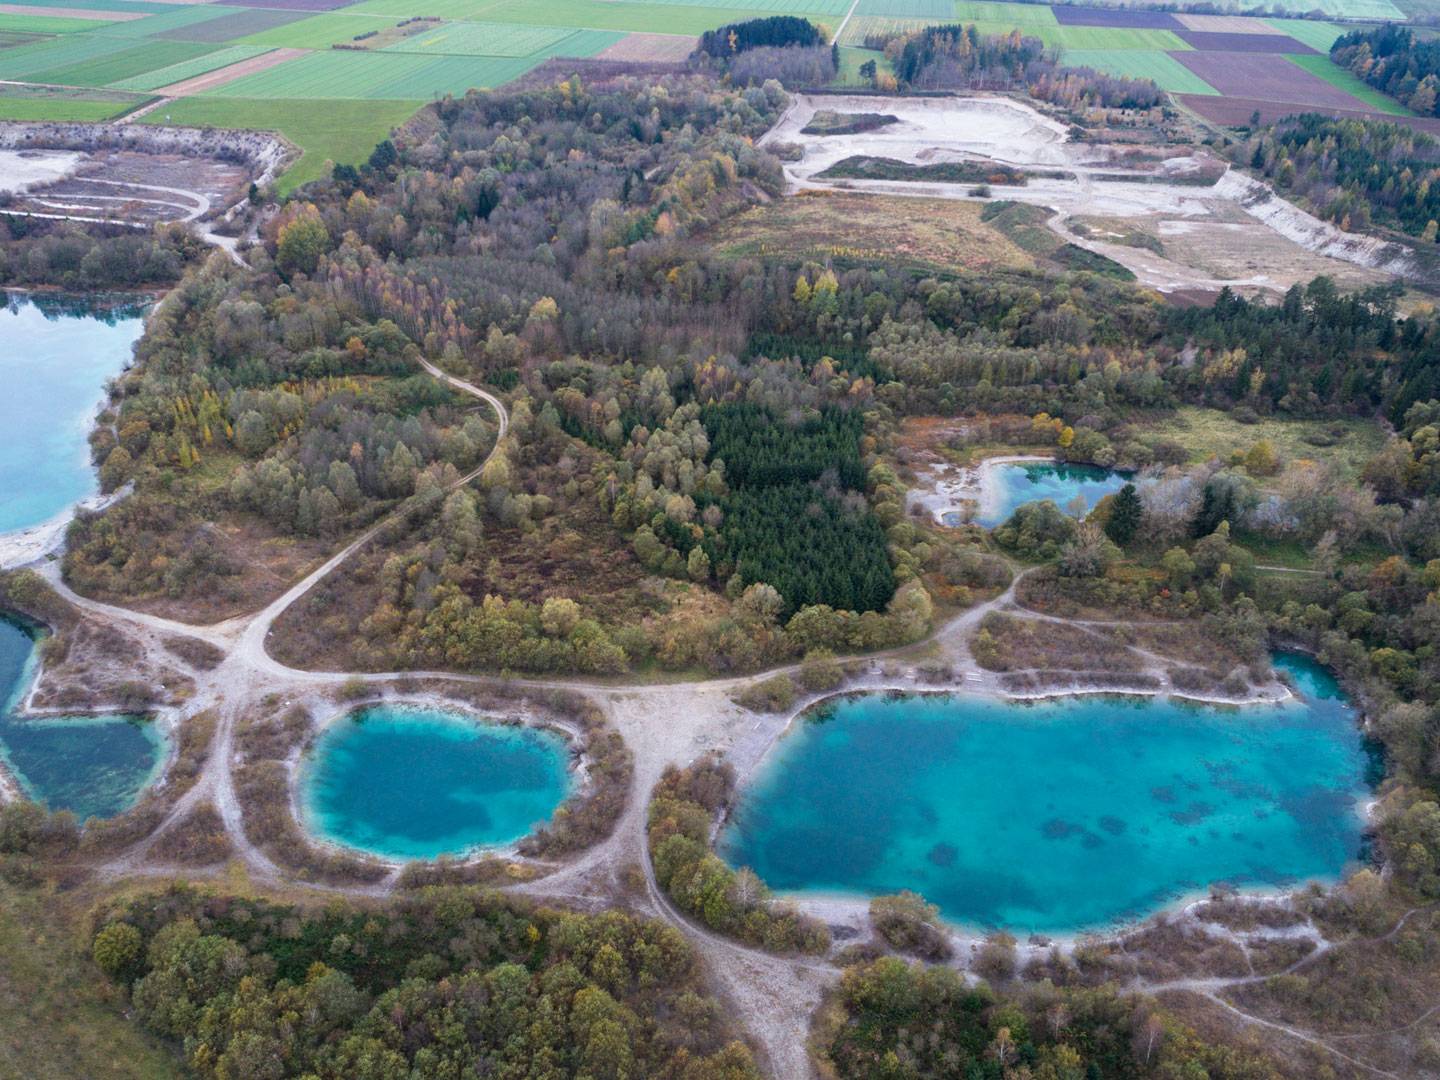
x=411 y=783
x=91 y=766
x=1063 y=815
x=1019 y=482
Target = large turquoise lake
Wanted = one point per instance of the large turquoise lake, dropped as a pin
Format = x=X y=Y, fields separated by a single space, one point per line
x=92 y=766
x=1016 y=483
x=1066 y=814
x=410 y=783
x=56 y=359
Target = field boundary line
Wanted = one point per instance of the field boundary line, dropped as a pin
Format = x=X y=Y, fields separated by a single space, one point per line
x=845 y=21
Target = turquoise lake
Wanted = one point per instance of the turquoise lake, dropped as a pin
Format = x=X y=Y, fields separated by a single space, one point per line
x=91 y=766
x=1061 y=815
x=410 y=783
x=56 y=359
x=1021 y=482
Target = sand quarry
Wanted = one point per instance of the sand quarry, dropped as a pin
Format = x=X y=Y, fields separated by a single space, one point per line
x=1183 y=197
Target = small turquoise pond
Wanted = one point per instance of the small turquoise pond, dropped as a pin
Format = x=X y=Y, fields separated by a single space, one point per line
x=1062 y=815
x=91 y=766
x=410 y=783
x=56 y=359
x=1016 y=483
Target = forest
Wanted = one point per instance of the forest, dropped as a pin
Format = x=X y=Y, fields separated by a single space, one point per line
x=960 y=57
x=1394 y=60
x=1355 y=173
x=447 y=982
x=38 y=251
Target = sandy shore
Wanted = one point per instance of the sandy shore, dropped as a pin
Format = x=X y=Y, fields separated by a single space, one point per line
x=25 y=546
x=970 y=491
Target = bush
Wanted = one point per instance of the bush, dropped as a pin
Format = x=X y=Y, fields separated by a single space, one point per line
x=911 y=925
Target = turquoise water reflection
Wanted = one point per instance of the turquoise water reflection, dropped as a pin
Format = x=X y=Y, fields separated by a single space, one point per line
x=1060 y=815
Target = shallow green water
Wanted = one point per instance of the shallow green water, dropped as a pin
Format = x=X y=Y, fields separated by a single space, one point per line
x=54 y=361
x=1062 y=815
x=416 y=783
x=92 y=766
x=1031 y=481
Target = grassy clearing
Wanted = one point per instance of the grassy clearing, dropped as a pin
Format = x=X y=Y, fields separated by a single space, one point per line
x=850 y=60
x=188 y=69
x=43 y=103
x=342 y=131
x=1208 y=433
x=1318 y=35
x=850 y=228
x=60 y=1017
x=142 y=58
x=1341 y=79
x=1167 y=72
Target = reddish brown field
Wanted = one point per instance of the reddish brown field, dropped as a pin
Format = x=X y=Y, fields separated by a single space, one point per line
x=1242 y=43
x=1236 y=112
x=1130 y=18
x=1266 y=77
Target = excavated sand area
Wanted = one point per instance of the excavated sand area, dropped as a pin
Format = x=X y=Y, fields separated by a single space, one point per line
x=1169 y=191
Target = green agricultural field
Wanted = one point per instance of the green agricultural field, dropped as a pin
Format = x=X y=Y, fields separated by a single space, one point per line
x=1343 y=9
x=188 y=69
x=1167 y=72
x=320 y=31
x=589 y=14
x=1109 y=37
x=375 y=76
x=176 y=18
x=35 y=104
x=141 y=7
x=1341 y=79
x=48 y=24
x=777 y=7
x=482 y=39
x=136 y=60
x=938 y=10
x=340 y=131
x=987 y=11
x=24 y=61
x=858 y=28
x=1318 y=35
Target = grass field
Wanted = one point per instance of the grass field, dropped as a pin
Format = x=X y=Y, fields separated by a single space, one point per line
x=655 y=18
x=374 y=77
x=1318 y=35
x=127 y=63
x=188 y=69
x=319 y=31
x=861 y=228
x=78 y=106
x=482 y=39
x=939 y=10
x=987 y=11
x=1168 y=73
x=340 y=131
x=1338 y=77
x=47 y=24
x=176 y=18
x=62 y=1019
x=1208 y=433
